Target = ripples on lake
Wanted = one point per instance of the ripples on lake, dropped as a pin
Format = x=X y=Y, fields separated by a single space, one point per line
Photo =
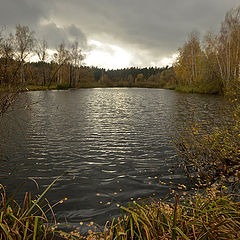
x=115 y=145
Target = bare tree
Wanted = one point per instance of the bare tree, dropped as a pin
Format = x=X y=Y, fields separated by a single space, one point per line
x=24 y=41
x=75 y=63
x=7 y=53
x=41 y=51
x=61 y=57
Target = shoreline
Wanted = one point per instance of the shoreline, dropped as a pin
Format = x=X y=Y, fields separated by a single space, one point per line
x=180 y=88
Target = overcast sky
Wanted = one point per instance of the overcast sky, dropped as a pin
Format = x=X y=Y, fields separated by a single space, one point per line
x=118 y=33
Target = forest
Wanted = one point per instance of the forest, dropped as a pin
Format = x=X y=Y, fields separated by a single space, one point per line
x=64 y=68
x=207 y=65
x=211 y=65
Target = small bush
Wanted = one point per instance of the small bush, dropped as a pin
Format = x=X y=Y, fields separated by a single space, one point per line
x=62 y=87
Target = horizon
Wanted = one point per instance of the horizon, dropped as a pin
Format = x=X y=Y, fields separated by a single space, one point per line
x=116 y=35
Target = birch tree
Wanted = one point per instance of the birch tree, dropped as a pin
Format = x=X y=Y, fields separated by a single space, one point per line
x=9 y=69
x=75 y=63
x=24 y=41
x=41 y=51
x=61 y=57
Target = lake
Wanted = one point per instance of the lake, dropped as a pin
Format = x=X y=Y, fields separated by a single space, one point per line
x=114 y=143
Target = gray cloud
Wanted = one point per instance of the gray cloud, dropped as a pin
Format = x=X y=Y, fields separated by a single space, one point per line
x=67 y=34
x=161 y=26
x=150 y=29
x=25 y=12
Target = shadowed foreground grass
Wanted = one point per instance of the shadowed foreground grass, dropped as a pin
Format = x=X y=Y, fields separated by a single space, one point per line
x=211 y=215
x=29 y=220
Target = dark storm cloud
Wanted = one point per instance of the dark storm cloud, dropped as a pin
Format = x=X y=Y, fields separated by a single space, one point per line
x=67 y=34
x=155 y=28
x=37 y=15
x=25 y=12
x=159 y=26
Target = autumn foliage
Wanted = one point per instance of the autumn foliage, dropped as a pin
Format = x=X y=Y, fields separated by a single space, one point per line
x=213 y=64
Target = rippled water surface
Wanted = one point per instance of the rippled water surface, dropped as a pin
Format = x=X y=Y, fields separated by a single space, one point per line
x=115 y=144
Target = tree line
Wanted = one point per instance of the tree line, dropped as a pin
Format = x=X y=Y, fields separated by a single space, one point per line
x=64 y=67
x=210 y=64
x=213 y=63
x=17 y=50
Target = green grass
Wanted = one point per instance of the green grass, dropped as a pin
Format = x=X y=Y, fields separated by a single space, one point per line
x=202 y=88
x=211 y=215
x=89 y=85
x=44 y=88
x=170 y=87
x=39 y=88
x=207 y=216
x=26 y=221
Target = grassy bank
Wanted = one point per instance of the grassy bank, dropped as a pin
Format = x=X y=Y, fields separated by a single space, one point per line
x=31 y=88
x=44 y=88
x=89 y=85
x=181 y=88
x=210 y=215
x=203 y=89
x=29 y=220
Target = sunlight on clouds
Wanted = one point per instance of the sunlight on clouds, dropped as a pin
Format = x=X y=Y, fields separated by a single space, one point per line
x=50 y=53
x=107 y=56
x=112 y=57
x=168 y=61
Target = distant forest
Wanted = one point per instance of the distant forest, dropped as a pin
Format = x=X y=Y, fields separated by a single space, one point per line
x=210 y=65
x=64 y=68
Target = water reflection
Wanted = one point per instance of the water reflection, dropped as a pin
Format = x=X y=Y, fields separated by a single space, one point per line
x=115 y=145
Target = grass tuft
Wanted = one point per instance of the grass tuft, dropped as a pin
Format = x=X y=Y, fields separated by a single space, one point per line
x=26 y=221
x=211 y=215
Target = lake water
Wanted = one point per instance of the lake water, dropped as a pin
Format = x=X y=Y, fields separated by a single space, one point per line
x=114 y=144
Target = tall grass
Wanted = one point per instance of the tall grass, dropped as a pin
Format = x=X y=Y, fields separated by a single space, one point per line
x=27 y=221
x=207 y=216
